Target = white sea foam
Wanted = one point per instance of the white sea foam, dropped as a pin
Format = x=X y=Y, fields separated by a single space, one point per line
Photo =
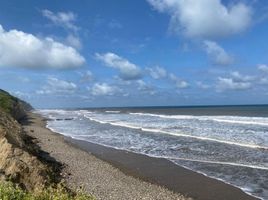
x=218 y=162
x=263 y=121
x=112 y=111
x=218 y=129
x=167 y=157
x=165 y=116
x=245 y=121
x=177 y=134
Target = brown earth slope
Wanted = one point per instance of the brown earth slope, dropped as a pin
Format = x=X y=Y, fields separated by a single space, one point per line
x=18 y=162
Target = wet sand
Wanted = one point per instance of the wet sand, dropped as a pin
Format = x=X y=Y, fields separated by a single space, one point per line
x=165 y=173
x=108 y=173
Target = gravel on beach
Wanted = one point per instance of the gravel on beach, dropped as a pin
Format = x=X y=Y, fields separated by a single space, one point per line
x=97 y=177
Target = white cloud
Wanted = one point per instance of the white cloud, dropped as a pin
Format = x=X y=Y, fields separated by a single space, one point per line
x=86 y=76
x=128 y=70
x=103 y=89
x=241 y=78
x=74 y=41
x=56 y=86
x=202 y=85
x=231 y=84
x=181 y=84
x=161 y=73
x=263 y=68
x=205 y=18
x=263 y=81
x=236 y=81
x=217 y=54
x=19 y=49
x=157 y=72
x=67 y=21
x=64 y=19
x=145 y=88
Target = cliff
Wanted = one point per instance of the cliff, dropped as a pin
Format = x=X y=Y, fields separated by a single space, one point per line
x=18 y=162
x=15 y=107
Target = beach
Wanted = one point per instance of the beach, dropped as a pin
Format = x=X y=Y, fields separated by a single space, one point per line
x=133 y=100
x=115 y=174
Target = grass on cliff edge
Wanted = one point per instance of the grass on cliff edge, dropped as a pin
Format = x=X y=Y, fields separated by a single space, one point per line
x=6 y=101
x=10 y=192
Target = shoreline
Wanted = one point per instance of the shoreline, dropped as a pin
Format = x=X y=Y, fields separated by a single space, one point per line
x=83 y=170
x=156 y=171
x=159 y=170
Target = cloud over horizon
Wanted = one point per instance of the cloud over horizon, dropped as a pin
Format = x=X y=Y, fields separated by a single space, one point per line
x=103 y=89
x=57 y=86
x=235 y=81
x=179 y=83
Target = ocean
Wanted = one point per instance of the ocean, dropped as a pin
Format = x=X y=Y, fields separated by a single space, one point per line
x=229 y=143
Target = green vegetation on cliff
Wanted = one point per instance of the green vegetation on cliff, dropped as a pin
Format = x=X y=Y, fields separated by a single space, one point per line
x=15 y=107
x=24 y=173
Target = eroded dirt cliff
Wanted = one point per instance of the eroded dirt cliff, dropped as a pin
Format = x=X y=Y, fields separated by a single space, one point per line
x=16 y=162
x=19 y=160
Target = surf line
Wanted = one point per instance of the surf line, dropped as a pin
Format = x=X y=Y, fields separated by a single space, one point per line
x=233 y=120
x=181 y=134
x=215 y=162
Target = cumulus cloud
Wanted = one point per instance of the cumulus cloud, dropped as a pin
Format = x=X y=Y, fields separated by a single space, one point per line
x=205 y=18
x=180 y=84
x=263 y=81
x=231 y=84
x=57 y=86
x=103 y=89
x=20 y=49
x=157 y=72
x=86 y=76
x=202 y=85
x=217 y=54
x=64 y=19
x=236 y=81
x=241 y=78
x=145 y=88
x=128 y=70
x=263 y=68
x=161 y=73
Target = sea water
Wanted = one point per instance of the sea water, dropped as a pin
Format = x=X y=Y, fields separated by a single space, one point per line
x=229 y=143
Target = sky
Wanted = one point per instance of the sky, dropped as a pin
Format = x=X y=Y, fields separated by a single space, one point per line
x=99 y=53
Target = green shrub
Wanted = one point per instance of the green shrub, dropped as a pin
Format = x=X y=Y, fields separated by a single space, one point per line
x=10 y=192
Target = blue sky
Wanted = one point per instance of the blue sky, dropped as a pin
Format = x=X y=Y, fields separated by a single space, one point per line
x=134 y=53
